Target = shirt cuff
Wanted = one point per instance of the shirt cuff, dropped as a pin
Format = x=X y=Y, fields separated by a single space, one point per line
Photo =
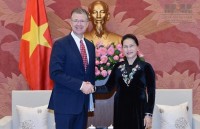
x=148 y=114
x=81 y=85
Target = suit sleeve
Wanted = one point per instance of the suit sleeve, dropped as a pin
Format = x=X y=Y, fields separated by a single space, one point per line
x=151 y=86
x=110 y=84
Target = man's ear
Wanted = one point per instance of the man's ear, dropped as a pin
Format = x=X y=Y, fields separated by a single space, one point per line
x=108 y=17
x=89 y=17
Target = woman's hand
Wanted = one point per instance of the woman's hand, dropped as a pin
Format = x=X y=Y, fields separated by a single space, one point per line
x=148 y=122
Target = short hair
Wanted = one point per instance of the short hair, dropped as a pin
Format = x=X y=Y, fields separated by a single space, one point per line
x=98 y=2
x=80 y=10
x=130 y=36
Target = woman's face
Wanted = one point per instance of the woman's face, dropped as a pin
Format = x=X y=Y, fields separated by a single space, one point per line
x=130 y=48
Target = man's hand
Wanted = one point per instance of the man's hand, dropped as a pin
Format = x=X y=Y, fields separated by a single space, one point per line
x=87 y=88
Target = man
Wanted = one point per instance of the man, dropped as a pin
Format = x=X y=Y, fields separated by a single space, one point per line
x=72 y=68
x=99 y=15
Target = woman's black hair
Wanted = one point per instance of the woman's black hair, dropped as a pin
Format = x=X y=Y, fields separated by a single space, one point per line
x=130 y=36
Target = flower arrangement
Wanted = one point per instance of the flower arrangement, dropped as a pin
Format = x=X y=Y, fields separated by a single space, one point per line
x=106 y=57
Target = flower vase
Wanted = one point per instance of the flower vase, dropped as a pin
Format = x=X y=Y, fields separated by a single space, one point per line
x=101 y=82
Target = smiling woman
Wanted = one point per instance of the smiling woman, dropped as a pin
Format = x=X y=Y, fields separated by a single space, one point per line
x=130 y=48
x=134 y=80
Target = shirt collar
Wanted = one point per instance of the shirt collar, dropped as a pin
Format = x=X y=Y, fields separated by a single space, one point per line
x=76 y=38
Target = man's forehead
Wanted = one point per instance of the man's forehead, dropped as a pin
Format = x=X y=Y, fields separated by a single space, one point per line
x=98 y=6
x=79 y=16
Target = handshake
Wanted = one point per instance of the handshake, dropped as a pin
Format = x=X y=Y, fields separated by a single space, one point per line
x=87 y=88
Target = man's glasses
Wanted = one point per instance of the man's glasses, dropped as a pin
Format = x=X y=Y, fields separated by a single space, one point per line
x=79 y=21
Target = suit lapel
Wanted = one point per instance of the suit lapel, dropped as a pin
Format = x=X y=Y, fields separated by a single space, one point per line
x=76 y=50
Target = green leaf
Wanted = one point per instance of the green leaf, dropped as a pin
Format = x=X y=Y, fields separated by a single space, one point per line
x=117 y=52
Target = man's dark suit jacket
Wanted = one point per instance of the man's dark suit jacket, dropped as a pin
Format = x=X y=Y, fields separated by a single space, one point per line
x=67 y=71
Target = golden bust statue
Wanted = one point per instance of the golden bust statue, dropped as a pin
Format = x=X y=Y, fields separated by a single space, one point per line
x=99 y=15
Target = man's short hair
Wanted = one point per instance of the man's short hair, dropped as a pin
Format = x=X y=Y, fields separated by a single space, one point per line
x=79 y=11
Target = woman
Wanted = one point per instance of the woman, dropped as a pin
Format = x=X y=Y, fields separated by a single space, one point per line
x=134 y=80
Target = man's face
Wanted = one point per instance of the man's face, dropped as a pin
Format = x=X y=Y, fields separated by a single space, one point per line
x=79 y=24
x=98 y=14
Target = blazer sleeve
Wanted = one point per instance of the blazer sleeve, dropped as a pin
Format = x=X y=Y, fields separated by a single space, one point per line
x=110 y=84
x=151 y=86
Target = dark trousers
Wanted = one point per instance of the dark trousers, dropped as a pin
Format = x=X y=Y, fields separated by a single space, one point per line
x=71 y=121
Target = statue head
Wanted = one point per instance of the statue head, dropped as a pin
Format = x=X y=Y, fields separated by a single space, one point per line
x=99 y=15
